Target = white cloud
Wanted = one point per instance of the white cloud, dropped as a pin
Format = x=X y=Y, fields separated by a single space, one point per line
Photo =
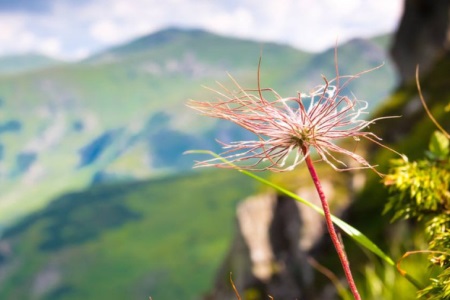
x=225 y=22
x=50 y=46
x=14 y=34
x=105 y=31
x=307 y=24
x=19 y=36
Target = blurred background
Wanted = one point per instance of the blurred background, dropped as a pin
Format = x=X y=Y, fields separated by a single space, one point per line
x=97 y=200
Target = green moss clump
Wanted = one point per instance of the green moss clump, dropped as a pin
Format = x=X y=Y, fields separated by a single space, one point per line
x=420 y=190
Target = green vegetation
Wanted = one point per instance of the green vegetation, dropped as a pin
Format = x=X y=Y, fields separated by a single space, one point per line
x=409 y=135
x=160 y=238
x=420 y=191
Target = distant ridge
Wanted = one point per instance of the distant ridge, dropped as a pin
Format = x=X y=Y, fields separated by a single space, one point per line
x=182 y=39
x=160 y=38
x=151 y=41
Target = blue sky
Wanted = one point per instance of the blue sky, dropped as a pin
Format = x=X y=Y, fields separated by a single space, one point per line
x=72 y=29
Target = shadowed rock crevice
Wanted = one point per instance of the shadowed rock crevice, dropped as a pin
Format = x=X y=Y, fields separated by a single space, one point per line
x=422 y=37
x=269 y=253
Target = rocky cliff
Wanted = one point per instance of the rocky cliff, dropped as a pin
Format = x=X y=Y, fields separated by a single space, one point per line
x=422 y=37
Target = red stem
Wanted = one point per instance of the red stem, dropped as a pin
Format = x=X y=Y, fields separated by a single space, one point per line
x=336 y=242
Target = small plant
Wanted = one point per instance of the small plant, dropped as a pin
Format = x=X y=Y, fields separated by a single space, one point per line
x=420 y=191
x=289 y=129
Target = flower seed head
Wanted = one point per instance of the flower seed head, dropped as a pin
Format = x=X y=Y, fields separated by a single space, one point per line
x=290 y=127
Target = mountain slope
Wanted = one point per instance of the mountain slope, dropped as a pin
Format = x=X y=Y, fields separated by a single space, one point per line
x=160 y=238
x=12 y=64
x=121 y=114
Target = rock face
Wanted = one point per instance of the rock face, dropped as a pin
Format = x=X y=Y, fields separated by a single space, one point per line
x=270 y=251
x=422 y=37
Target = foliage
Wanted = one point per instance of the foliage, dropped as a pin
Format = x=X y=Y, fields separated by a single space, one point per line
x=420 y=191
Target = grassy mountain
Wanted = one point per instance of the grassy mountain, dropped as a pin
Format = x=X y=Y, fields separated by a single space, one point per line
x=160 y=238
x=121 y=114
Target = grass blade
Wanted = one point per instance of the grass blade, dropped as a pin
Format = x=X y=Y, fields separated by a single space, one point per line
x=352 y=232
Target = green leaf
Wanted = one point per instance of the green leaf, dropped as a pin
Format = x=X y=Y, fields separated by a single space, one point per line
x=439 y=145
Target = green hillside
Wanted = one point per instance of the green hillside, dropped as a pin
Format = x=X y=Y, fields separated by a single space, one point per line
x=121 y=114
x=97 y=120
x=162 y=238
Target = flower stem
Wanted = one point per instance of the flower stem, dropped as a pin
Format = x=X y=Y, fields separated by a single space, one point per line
x=336 y=242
